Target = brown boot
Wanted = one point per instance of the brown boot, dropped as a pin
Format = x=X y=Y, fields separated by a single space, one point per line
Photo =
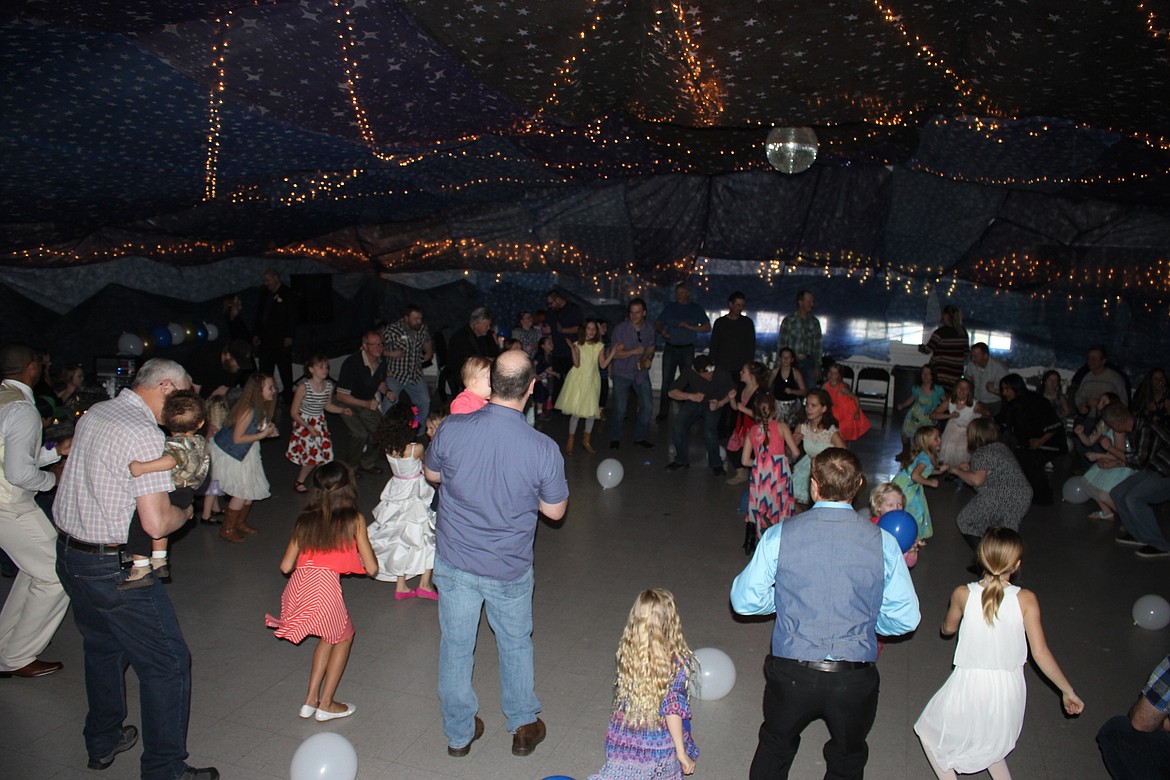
x=585 y=444
x=242 y=524
x=570 y=443
x=228 y=529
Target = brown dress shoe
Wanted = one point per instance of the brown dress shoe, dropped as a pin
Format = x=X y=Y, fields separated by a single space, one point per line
x=35 y=669
x=460 y=752
x=527 y=737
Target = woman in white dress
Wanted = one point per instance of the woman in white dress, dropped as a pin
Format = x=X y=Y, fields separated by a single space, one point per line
x=958 y=408
x=973 y=721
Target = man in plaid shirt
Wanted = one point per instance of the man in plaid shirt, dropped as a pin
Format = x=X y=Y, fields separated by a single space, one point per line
x=1137 y=746
x=96 y=500
x=1140 y=492
x=408 y=346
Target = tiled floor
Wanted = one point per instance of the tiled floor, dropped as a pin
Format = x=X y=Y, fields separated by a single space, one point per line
x=680 y=531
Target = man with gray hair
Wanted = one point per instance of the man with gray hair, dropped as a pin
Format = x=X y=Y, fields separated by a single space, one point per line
x=36 y=602
x=95 y=502
x=474 y=339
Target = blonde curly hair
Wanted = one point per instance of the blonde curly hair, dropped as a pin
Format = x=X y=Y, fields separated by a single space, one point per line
x=651 y=652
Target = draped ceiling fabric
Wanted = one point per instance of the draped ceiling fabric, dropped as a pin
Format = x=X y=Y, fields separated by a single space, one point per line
x=585 y=135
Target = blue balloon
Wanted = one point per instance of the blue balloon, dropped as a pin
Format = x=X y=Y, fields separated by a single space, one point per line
x=900 y=524
x=161 y=335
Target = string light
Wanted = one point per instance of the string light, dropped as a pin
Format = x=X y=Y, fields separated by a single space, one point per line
x=215 y=104
x=1152 y=23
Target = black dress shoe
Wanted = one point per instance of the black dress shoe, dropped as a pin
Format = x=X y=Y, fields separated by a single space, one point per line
x=615 y=445
x=672 y=466
x=127 y=740
x=204 y=773
x=644 y=444
x=661 y=417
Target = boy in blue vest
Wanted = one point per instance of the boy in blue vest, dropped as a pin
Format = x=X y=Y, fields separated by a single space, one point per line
x=834 y=581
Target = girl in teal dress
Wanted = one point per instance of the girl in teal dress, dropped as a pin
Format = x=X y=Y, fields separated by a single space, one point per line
x=924 y=399
x=917 y=473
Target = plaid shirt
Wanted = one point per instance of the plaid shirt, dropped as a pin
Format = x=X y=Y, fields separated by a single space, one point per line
x=96 y=497
x=1151 y=447
x=1157 y=690
x=802 y=336
x=398 y=335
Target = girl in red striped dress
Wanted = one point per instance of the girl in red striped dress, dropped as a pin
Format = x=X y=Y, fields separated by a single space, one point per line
x=329 y=539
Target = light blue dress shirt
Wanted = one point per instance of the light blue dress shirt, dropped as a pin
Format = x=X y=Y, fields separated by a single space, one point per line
x=752 y=592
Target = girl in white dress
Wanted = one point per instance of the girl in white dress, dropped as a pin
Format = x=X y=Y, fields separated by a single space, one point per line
x=403 y=532
x=959 y=408
x=973 y=721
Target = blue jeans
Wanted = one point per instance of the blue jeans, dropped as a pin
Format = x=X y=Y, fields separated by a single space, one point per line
x=675 y=359
x=420 y=396
x=509 y=612
x=1135 y=498
x=621 y=394
x=689 y=413
x=139 y=628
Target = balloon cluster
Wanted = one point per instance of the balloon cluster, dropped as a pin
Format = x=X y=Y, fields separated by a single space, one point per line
x=163 y=336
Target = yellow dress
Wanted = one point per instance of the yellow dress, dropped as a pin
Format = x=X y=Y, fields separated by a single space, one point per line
x=579 y=397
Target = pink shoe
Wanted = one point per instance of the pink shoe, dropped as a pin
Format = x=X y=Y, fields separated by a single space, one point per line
x=402 y=595
x=423 y=593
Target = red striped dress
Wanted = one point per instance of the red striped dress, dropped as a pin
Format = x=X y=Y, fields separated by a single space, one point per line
x=312 y=604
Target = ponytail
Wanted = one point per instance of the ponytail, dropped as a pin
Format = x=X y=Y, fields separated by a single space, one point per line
x=999 y=554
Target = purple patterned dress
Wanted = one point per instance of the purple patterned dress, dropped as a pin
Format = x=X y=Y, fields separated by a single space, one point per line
x=770 y=497
x=648 y=753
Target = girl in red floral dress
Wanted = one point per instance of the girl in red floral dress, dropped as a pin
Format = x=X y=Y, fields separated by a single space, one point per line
x=310 y=444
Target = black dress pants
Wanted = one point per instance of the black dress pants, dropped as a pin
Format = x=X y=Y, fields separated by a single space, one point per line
x=795 y=696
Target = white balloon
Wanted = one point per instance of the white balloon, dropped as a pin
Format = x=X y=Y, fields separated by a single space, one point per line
x=177 y=333
x=212 y=331
x=1152 y=612
x=324 y=756
x=716 y=673
x=130 y=344
x=1076 y=490
x=610 y=473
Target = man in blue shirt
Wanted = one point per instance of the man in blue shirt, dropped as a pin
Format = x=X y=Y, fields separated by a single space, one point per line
x=835 y=582
x=497 y=473
x=679 y=324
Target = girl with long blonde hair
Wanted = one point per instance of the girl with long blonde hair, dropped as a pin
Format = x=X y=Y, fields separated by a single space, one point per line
x=974 y=720
x=236 y=460
x=649 y=734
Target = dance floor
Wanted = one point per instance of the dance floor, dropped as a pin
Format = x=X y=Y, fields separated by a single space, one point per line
x=678 y=530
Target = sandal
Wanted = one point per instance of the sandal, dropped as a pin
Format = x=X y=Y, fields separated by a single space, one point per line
x=1099 y=515
x=300 y=487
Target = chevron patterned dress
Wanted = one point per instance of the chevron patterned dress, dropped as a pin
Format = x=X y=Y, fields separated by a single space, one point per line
x=770 y=497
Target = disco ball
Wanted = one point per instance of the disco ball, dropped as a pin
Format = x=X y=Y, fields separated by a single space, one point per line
x=791 y=149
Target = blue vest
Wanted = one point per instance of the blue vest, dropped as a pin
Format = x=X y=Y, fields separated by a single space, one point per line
x=223 y=438
x=829 y=581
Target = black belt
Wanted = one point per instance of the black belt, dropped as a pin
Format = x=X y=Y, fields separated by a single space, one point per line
x=87 y=547
x=832 y=666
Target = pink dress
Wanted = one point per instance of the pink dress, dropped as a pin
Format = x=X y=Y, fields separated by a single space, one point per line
x=770 y=496
x=312 y=604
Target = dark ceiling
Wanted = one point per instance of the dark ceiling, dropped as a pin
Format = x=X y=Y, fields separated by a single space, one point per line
x=211 y=128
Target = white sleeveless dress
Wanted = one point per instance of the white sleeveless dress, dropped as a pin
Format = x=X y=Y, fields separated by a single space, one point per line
x=974 y=720
x=403 y=532
x=953 y=450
